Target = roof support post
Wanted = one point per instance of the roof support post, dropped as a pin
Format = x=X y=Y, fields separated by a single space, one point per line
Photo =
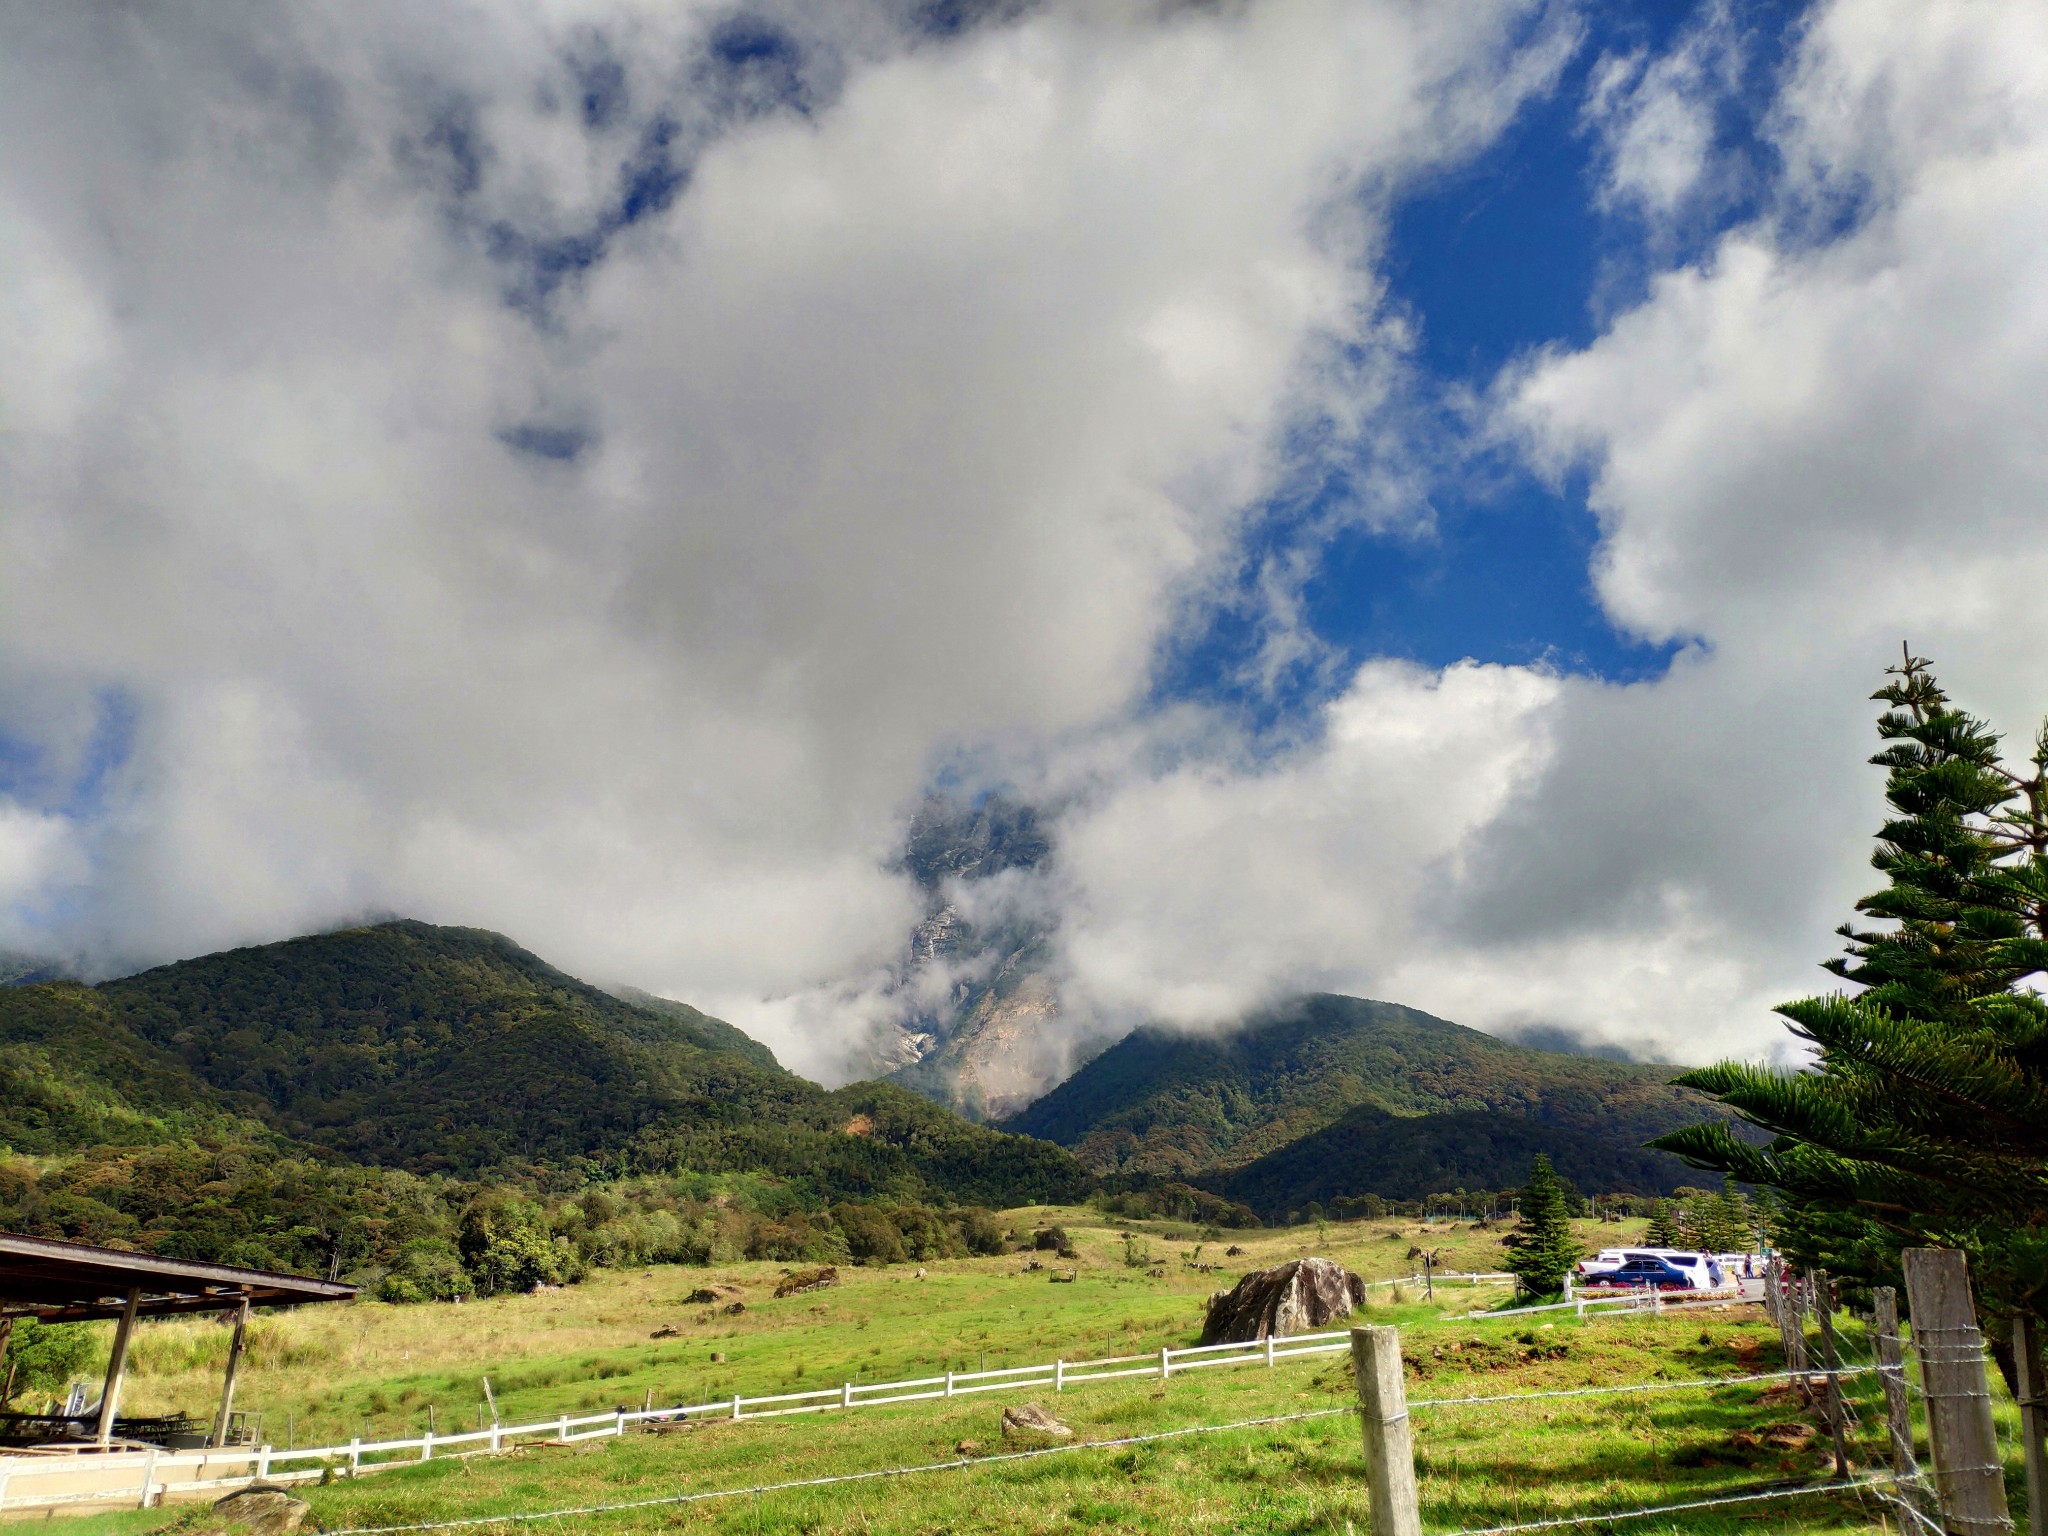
x=227 y=1385
x=117 y=1367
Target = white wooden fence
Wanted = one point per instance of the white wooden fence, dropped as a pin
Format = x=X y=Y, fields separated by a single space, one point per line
x=144 y=1477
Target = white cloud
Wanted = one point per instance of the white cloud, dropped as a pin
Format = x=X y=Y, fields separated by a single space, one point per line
x=1803 y=450
x=1655 y=117
x=907 y=431
x=908 y=423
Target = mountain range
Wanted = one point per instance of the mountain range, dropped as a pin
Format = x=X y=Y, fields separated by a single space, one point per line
x=148 y=1107
x=453 y=1050
x=1328 y=1096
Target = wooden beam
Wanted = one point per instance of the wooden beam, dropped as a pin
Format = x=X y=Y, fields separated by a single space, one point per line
x=117 y=1367
x=227 y=1385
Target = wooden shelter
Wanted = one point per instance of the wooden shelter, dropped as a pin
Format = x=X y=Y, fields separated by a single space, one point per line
x=56 y=1282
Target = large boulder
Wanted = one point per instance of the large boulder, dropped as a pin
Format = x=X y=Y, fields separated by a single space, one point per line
x=1299 y=1296
x=261 y=1509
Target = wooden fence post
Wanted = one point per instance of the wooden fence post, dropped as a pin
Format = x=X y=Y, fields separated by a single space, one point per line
x=1969 y=1479
x=1389 y=1439
x=1824 y=1313
x=2033 y=1396
x=1791 y=1321
x=1891 y=1370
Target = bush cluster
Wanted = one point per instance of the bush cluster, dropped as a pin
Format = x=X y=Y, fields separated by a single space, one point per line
x=413 y=1238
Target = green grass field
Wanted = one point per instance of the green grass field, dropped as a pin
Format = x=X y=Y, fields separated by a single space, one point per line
x=327 y=1374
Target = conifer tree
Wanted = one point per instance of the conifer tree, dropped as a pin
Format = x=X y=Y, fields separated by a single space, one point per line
x=1663 y=1232
x=1925 y=1117
x=1542 y=1251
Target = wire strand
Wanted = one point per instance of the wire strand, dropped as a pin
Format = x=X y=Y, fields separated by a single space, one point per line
x=957 y=1464
x=1805 y=1490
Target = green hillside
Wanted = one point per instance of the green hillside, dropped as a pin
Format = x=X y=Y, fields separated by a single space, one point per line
x=454 y=1050
x=697 y=1026
x=1170 y=1103
x=71 y=1075
x=1368 y=1151
x=354 y=1093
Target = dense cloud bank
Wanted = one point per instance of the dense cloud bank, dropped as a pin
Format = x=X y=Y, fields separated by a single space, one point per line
x=581 y=471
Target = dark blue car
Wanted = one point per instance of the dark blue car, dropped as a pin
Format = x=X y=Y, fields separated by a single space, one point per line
x=1649 y=1272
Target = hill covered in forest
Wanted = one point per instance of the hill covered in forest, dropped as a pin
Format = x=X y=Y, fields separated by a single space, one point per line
x=1164 y=1102
x=243 y=1103
x=1368 y=1151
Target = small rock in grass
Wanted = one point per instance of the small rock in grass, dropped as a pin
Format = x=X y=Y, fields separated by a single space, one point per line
x=802 y=1280
x=1793 y=1436
x=967 y=1448
x=1031 y=1423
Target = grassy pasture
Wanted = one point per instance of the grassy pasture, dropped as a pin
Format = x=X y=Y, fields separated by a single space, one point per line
x=335 y=1370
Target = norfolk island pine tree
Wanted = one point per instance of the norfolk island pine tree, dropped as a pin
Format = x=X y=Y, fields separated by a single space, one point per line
x=1543 y=1251
x=1925 y=1117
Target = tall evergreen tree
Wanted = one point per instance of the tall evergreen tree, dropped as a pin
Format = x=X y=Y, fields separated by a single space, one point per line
x=1542 y=1251
x=1663 y=1232
x=1924 y=1118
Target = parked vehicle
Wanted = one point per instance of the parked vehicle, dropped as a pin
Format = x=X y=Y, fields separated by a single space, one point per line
x=1700 y=1271
x=1650 y=1272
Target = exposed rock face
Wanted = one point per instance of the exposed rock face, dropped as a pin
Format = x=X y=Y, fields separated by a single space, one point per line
x=1003 y=1051
x=1299 y=1296
x=1031 y=1423
x=259 y=1510
x=984 y=1033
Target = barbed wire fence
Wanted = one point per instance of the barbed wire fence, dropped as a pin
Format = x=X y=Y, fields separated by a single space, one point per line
x=1958 y=1500
x=1768 y=1492
x=1951 y=1503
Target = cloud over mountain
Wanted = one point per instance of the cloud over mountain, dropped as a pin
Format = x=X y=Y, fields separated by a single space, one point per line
x=584 y=471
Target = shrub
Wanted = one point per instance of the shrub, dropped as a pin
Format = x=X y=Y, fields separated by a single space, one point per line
x=46 y=1356
x=427 y=1269
x=980 y=1232
x=871 y=1236
x=505 y=1245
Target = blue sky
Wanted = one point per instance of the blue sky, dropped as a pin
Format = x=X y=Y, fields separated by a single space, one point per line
x=1504 y=255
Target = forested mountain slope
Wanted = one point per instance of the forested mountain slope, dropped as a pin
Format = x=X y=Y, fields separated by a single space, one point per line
x=72 y=1075
x=1368 y=1151
x=1165 y=1102
x=452 y=1050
